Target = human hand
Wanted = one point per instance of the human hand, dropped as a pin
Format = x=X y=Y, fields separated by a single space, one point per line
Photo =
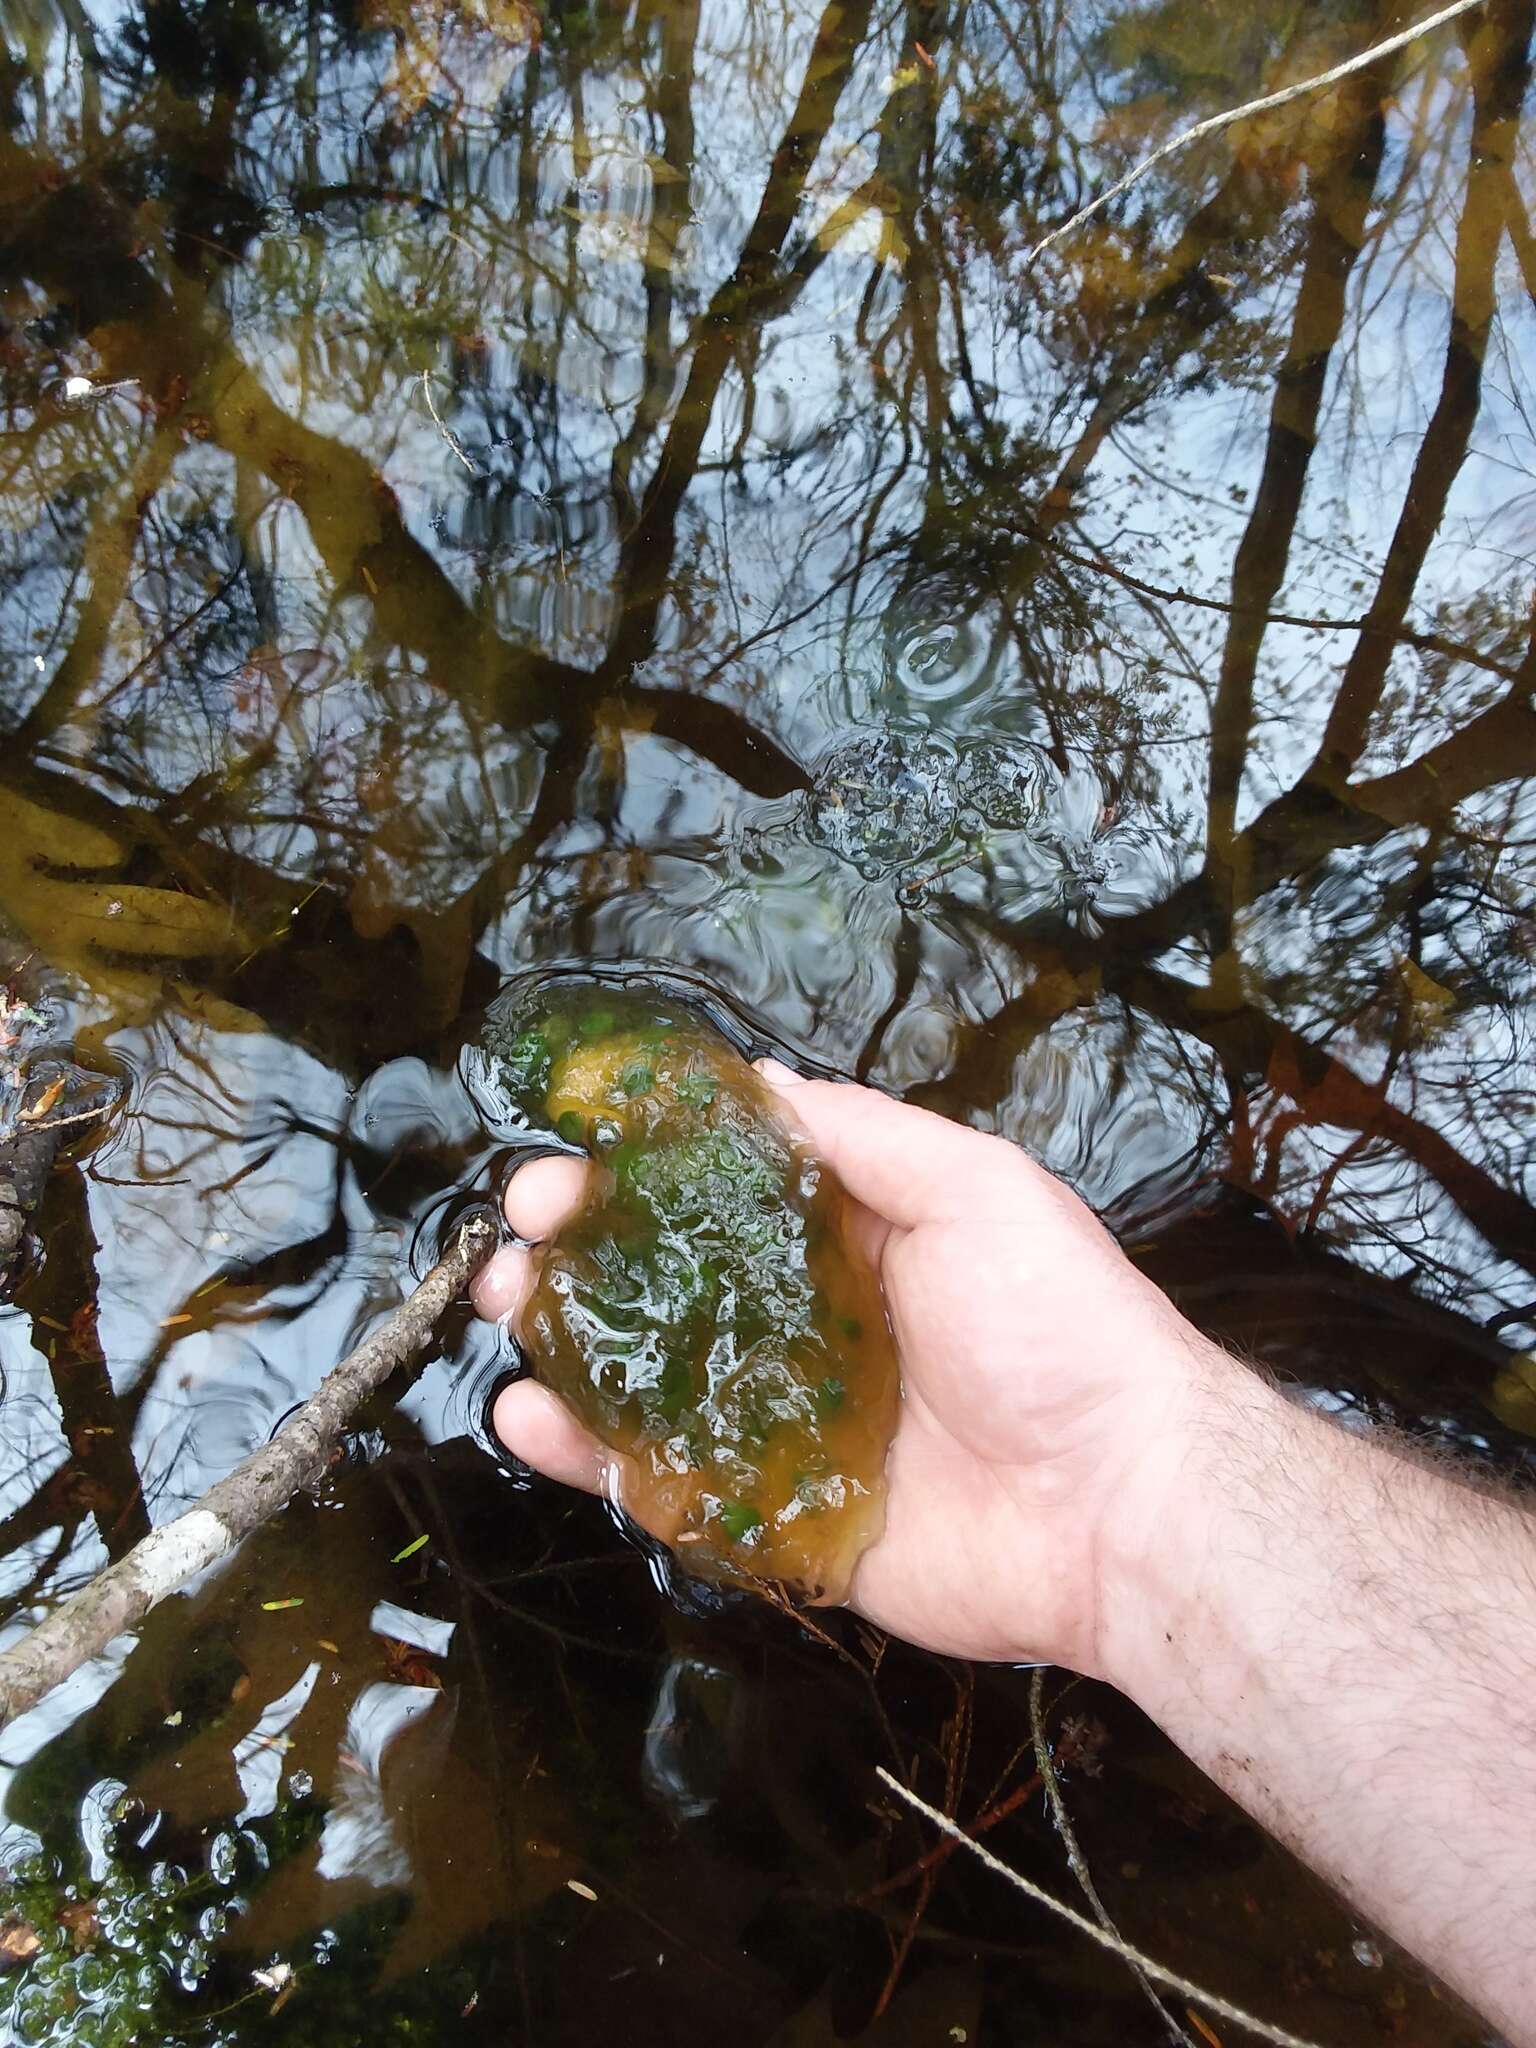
x=1044 y=1380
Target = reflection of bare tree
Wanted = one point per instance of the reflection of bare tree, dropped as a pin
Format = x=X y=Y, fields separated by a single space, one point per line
x=1499 y=58
x=1342 y=191
x=105 y=1476
x=345 y=717
x=668 y=222
x=770 y=437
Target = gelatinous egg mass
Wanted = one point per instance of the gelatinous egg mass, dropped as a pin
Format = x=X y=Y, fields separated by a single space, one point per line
x=707 y=1313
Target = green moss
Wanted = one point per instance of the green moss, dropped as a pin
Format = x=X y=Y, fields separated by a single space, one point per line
x=522 y=1057
x=697 y=1312
x=739 y=1521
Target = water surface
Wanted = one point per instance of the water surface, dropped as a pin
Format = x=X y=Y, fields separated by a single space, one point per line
x=525 y=483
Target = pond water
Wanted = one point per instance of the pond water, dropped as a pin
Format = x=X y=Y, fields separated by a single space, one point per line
x=521 y=483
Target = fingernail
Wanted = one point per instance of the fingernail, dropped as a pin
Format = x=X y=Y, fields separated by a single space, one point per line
x=776 y=1072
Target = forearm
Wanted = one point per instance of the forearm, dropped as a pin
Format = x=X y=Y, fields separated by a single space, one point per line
x=1345 y=1639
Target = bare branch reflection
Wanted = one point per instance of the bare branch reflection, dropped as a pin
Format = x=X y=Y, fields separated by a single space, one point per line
x=767 y=490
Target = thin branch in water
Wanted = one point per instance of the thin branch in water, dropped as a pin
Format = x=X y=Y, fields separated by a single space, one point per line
x=442 y=427
x=942 y=1851
x=120 y=1597
x=1045 y=1765
x=1184 y=1986
x=79 y=1116
x=1217 y=122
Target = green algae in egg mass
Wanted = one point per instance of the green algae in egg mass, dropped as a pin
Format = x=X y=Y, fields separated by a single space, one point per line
x=707 y=1314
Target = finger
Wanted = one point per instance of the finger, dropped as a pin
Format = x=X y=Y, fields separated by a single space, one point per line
x=536 y=1426
x=501 y=1288
x=546 y=1193
x=901 y=1161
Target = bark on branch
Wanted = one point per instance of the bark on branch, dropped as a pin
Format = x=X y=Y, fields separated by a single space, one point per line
x=34 y=1121
x=26 y=1160
x=120 y=1597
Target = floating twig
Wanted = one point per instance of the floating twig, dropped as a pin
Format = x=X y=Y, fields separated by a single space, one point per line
x=1217 y=122
x=120 y=1597
x=442 y=426
x=942 y=1851
x=76 y=1116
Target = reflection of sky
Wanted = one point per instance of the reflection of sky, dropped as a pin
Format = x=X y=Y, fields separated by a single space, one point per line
x=258 y=1756
x=360 y=1837
x=1162 y=497
x=242 y=1166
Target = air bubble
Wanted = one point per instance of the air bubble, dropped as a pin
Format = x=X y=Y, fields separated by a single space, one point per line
x=94 y=1976
x=145 y=1985
x=257 y=1847
x=31 y=2014
x=883 y=800
x=195 y=1965
x=1010 y=784
x=940 y=663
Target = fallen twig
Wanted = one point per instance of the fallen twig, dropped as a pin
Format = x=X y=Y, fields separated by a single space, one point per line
x=79 y=1116
x=1217 y=122
x=942 y=1851
x=120 y=1597
x=443 y=428
x=1046 y=1766
x=1211 y=2000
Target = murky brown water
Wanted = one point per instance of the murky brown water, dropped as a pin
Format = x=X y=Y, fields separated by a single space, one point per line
x=611 y=484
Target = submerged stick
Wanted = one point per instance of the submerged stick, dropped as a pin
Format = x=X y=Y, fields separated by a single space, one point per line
x=121 y=1596
x=1185 y=1986
x=1281 y=98
x=1045 y=1766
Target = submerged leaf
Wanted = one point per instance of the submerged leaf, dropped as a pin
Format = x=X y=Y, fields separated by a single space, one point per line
x=35 y=1111
x=18 y=1941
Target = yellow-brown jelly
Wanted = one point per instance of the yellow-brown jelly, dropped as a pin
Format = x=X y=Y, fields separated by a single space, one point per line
x=707 y=1314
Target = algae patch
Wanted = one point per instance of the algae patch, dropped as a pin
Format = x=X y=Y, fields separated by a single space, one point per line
x=707 y=1314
